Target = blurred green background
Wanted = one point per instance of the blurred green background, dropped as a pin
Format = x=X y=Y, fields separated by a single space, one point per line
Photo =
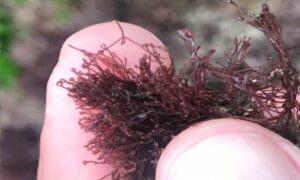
x=32 y=32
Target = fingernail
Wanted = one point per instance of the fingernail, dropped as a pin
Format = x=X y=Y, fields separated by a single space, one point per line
x=234 y=156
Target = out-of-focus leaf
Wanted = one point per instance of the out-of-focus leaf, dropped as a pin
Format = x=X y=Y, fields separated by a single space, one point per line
x=6 y=29
x=8 y=71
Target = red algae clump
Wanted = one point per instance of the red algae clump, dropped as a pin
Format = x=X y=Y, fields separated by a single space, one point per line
x=133 y=113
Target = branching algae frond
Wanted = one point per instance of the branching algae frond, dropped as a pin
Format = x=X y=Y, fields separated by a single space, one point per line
x=140 y=111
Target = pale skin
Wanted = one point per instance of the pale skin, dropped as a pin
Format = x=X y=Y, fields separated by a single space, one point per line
x=218 y=149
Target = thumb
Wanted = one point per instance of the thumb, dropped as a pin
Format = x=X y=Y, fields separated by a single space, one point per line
x=228 y=149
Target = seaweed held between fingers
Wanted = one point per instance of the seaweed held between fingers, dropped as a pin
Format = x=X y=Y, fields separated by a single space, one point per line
x=134 y=112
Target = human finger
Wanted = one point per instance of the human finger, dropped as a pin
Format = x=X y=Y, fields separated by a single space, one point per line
x=229 y=149
x=62 y=140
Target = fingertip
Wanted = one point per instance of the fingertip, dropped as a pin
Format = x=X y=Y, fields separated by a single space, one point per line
x=228 y=149
x=59 y=106
x=60 y=109
x=92 y=39
x=62 y=140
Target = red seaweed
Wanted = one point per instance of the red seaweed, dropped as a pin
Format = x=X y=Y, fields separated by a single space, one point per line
x=134 y=113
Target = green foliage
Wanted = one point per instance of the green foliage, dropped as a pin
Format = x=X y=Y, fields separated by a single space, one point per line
x=6 y=28
x=8 y=69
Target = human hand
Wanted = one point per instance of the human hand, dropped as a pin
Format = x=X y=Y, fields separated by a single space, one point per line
x=216 y=149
